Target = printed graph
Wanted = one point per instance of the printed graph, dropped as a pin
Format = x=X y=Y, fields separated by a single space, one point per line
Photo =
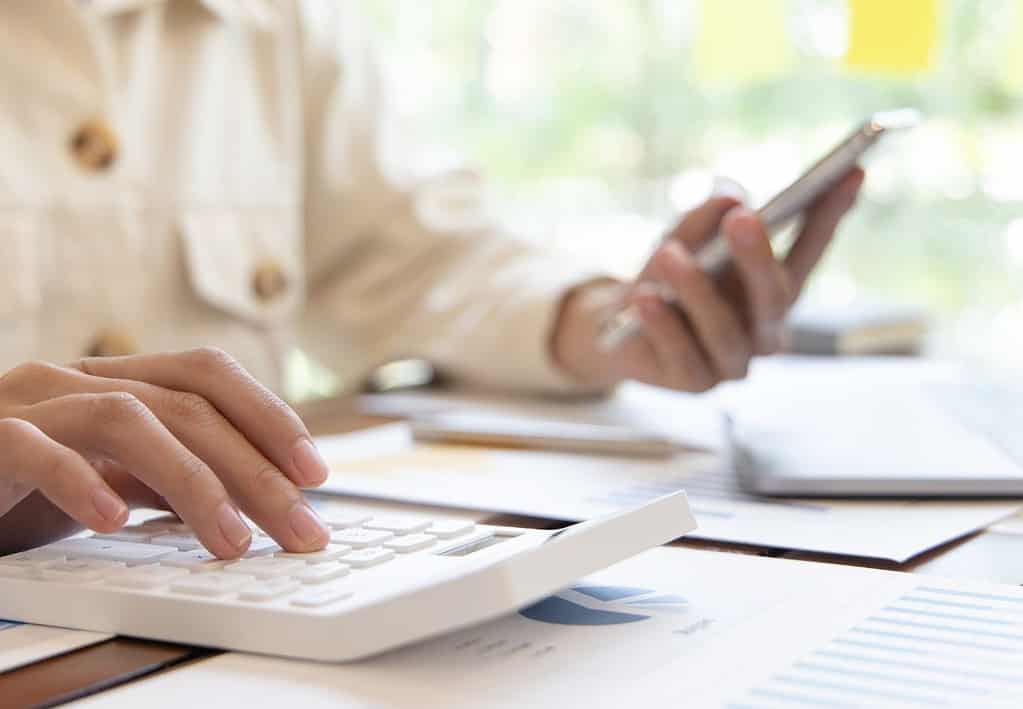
x=603 y=605
x=932 y=646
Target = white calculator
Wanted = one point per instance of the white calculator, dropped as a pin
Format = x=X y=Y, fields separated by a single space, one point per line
x=381 y=583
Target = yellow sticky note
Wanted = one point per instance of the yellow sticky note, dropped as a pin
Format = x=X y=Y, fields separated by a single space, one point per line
x=1012 y=72
x=741 y=40
x=892 y=36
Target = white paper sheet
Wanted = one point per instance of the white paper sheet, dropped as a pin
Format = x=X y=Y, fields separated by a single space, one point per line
x=24 y=644
x=671 y=627
x=385 y=463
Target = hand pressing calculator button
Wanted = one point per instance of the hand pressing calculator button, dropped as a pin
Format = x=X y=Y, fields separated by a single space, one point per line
x=396 y=582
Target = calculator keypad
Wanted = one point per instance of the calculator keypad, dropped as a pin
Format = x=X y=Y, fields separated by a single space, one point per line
x=163 y=556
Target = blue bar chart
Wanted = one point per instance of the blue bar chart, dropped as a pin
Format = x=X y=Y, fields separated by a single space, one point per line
x=932 y=646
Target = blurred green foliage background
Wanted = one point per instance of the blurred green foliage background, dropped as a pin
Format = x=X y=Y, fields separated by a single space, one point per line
x=594 y=123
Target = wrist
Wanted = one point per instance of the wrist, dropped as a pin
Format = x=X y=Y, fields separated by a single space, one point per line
x=583 y=311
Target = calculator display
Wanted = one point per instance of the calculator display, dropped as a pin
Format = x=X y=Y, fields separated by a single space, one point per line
x=478 y=545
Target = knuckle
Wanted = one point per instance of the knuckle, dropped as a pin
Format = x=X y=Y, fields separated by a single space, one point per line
x=192 y=407
x=212 y=360
x=269 y=480
x=27 y=374
x=272 y=401
x=275 y=405
x=119 y=408
x=63 y=467
x=13 y=430
x=194 y=474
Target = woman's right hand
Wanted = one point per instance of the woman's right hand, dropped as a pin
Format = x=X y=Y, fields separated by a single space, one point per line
x=192 y=431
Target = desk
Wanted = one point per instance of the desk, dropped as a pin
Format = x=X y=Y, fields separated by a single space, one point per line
x=995 y=554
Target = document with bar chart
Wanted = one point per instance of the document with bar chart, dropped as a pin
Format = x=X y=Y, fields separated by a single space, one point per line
x=675 y=627
x=931 y=645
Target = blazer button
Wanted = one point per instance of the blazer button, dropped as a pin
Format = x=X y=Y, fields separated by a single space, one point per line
x=94 y=146
x=112 y=343
x=268 y=281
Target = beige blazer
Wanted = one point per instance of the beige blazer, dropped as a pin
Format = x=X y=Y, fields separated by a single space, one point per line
x=176 y=173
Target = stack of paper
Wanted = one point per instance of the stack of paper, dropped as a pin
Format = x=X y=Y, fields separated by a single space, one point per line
x=672 y=627
x=24 y=644
x=387 y=464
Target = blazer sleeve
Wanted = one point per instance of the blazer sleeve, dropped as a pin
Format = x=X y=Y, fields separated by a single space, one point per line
x=410 y=265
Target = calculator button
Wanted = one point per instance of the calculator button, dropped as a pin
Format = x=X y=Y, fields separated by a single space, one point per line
x=167 y=525
x=268 y=589
x=398 y=525
x=182 y=542
x=265 y=568
x=79 y=571
x=450 y=528
x=321 y=573
x=410 y=543
x=365 y=558
x=261 y=546
x=106 y=550
x=195 y=560
x=320 y=596
x=146 y=577
x=33 y=557
x=128 y=534
x=214 y=583
x=332 y=552
x=337 y=519
x=358 y=538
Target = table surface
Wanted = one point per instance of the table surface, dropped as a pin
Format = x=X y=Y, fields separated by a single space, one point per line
x=994 y=554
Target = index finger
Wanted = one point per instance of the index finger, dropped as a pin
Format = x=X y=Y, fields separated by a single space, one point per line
x=819 y=227
x=260 y=415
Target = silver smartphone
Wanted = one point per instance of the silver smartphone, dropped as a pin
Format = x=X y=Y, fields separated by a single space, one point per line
x=786 y=205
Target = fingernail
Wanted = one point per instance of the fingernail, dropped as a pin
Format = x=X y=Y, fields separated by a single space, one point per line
x=234 y=530
x=107 y=505
x=309 y=463
x=307 y=525
x=727 y=187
